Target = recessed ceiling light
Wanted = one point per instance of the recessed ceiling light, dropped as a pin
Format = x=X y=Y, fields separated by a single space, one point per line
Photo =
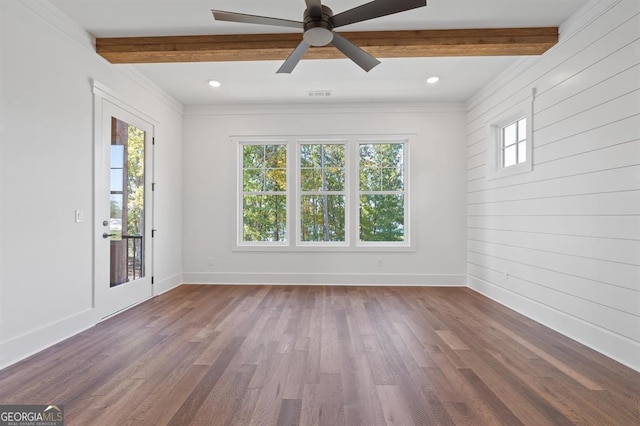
x=433 y=80
x=214 y=83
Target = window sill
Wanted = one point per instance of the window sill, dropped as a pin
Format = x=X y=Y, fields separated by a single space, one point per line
x=319 y=249
x=516 y=169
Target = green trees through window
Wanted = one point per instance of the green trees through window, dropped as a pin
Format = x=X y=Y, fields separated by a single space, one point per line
x=264 y=186
x=321 y=198
x=382 y=182
x=322 y=192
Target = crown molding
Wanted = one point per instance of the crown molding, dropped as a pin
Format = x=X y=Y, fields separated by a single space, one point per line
x=67 y=26
x=325 y=108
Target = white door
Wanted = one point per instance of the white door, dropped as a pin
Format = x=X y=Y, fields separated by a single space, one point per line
x=123 y=209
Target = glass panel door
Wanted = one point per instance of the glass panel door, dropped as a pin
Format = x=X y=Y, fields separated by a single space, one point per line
x=123 y=205
x=126 y=203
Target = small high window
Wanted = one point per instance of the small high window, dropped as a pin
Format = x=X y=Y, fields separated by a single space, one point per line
x=514 y=143
x=510 y=139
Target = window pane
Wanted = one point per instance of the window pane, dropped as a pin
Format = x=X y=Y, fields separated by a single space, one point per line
x=135 y=181
x=392 y=179
x=367 y=156
x=390 y=154
x=382 y=167
x=522 y=129
x=117 y=180
x=116 y=206
x=370 y=179
x=265 y=217
x=275 y=156
x=382 y=218
x=322 y=167
x=253 y=156
x=334 y=178
x=253 y=180
x=306 y=156
x=115 y=216
x=522 y=152
x=310 y=179
x=509 y=135
x=509 y=156
x=275 y=180
x=381 y=155
x=322 y=218
x=334 y=155
x=117 y=156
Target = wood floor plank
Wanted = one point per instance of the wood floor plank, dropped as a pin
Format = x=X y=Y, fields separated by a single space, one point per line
x=366 y=410
x=331 y=396
x=198 y=395
x=483 y=392
x=294 y=385
x=318 y=355
x=290 y=412
x=396 y=411
x=311 y=410
x=218 y=407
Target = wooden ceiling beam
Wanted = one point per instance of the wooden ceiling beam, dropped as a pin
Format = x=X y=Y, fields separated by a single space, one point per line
x=381 y=44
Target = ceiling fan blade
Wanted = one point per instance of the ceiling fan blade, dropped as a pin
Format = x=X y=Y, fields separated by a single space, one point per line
x=315 y=7
x=294 y=58
x=375 y=9
x=221 y=15
x=357 y=55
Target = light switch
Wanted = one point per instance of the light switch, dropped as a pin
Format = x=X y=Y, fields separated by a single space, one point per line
x=79 y=216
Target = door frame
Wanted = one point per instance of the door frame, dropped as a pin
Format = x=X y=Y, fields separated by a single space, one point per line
x=105 y=99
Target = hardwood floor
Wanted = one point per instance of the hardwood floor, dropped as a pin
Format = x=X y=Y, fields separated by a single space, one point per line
x=236 y=355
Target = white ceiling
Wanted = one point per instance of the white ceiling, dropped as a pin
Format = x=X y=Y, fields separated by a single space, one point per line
x=257 y=82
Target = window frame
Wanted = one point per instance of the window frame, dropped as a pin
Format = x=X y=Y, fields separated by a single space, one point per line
x=299 y=193
x=495 y=162
x=406 y=242
x=240 y=242
x=292 y=241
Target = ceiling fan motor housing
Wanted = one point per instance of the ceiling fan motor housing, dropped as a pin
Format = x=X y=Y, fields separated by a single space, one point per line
x=318 y=29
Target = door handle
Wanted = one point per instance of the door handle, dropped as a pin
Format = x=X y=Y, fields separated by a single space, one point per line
x=107 y=235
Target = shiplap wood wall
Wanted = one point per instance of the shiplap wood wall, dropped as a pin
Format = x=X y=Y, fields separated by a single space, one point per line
x=561 y=243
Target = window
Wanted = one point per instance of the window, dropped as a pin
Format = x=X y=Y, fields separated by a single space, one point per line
x=346 y=193
x=511 y=142
x=264 y=193
x=514 y=143
x=381 y=192
x=322 y=192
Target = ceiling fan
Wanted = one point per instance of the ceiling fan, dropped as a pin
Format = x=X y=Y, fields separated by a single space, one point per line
x=318 y=24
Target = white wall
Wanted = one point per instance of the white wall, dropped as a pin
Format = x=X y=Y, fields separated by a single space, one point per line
x=437 y=166
x=46 y=173
x=567 y=233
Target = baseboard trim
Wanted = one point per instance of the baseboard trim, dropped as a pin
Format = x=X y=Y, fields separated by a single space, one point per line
x=614 y=346
x=325 y=279
x=167 y=284
x=28 y=344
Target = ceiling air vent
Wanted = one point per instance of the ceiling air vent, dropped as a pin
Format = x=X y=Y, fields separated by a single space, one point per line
x=319 y=93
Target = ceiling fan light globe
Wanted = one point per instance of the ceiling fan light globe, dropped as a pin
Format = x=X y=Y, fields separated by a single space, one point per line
x=318 y=36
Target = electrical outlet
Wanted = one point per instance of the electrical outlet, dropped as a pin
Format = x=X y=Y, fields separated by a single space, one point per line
x=211 y=261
